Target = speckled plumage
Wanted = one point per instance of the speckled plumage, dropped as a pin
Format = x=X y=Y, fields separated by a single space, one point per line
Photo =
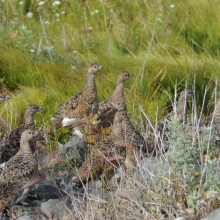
x=84 y=103
x=214 y=121
x=18 y=171
x=96 y=164
x=133 y=137
x=106 y=111
x=11 y=143
x=180 y=112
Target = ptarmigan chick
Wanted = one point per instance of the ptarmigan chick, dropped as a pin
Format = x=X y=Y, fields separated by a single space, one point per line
x=83 y=104
x=18 y=171
x=180 y=112
x=11 y=143
x=97 y=161
x=106 y=110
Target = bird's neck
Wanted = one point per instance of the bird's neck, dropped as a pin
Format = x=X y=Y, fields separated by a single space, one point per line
x=117 y=132
x=29 y=119
x=90 y=81
x=126 y=125
x=119 y=90
x=181 y=109
x=25 y=148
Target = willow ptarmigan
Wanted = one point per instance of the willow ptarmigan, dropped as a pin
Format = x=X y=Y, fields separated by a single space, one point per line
x=106 y=110
x=11 y=144
x=181 y=112
x=138 y=147
x=18 y=171
x=213 y=120
x=97 y=162
x=83 y=104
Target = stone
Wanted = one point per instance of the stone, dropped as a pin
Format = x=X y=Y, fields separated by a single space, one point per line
x=27 y=212
x=3 y=217
x=75 y=150
x=214 y=215
x=25 y=217
x=54 y=209
x=44 y=192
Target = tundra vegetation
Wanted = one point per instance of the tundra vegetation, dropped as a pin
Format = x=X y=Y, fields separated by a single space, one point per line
x=46 y=47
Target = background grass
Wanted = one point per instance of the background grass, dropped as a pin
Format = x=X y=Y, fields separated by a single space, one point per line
x=44 y=57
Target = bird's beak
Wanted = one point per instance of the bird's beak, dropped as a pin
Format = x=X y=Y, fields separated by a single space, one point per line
x=38 y=137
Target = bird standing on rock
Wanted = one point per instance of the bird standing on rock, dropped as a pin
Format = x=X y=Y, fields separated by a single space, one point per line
x=99 y=160
x=18 y=171
x=11 y=143
x=83 y=104
x=106 y=111
x=138 y=146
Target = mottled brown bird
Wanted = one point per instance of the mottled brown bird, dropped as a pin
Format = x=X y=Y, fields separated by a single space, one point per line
x=213 y=120
x=137 y=145
x=18 y=171
x=83 y=104
x=180 y=112
x=98 y=161
x=106 y=111
x=11 y=143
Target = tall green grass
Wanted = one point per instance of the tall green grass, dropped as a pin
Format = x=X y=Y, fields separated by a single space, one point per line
x=163 y=44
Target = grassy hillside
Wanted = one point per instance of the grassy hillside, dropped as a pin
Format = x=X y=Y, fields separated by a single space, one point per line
x=46 y=47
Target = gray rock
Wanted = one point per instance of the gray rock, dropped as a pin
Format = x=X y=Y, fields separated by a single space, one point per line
x=214 y=215
x=54 y=209
x=27 y=212
x=64 y=183
x=180 y=218
x=3 y=217
x=44 y=192
x=75 y=150
x=25 y=217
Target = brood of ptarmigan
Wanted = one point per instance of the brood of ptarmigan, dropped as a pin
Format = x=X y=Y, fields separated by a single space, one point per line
x=106 y=110
x=83 y=104
x=97 y=162
x=18 y=171
x=11 y=143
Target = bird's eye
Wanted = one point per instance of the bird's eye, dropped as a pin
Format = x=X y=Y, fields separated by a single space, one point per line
x=1 y=97
x=119 y=103
x=29 y=132
x=34 y=107
x=94 y=67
